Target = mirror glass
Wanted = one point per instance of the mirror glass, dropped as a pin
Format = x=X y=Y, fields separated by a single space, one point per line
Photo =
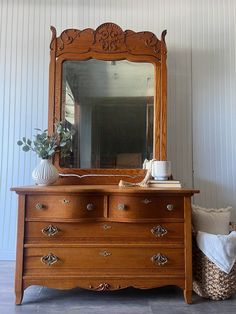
x=109 y=106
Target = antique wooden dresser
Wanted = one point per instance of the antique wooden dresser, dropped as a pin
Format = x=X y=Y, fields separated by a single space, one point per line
x=109 y=85
x=103 y=238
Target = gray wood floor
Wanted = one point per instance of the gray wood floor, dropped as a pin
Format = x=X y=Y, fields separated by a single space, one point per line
x=167 y=300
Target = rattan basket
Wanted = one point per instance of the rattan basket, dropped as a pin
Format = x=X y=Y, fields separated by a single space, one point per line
x=208 y=280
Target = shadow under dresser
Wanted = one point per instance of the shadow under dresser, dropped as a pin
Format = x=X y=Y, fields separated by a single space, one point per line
x=103 y=238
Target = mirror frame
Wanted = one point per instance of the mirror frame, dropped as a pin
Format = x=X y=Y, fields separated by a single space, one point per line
x=109 y=43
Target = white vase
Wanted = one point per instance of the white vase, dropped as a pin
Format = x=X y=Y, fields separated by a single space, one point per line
x=45 y=173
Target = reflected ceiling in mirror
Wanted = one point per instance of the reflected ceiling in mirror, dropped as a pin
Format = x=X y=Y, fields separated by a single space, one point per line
x=109 y=105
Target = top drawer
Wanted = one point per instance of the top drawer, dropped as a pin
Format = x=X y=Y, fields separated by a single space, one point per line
x=64 y=206
x=145 y=207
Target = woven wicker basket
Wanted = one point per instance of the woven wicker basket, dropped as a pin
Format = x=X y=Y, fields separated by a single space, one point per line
x=208 y=280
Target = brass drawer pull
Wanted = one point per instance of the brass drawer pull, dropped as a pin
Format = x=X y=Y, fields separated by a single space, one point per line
x=49 y=259
x=90 y=206
x=121 y=206
x=170 y=207
x=105 y=253
x=39 y=206
x=159 y=231
x=106 y=227
x=146 y=201
x=50 y=230
x=159 y=259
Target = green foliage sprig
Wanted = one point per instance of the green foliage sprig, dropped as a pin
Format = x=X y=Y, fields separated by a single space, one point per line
x=45 y=146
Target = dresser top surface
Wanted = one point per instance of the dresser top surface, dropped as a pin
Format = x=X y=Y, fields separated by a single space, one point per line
x=71 y=189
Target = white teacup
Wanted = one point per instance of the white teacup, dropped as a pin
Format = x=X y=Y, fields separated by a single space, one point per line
x=161 y=169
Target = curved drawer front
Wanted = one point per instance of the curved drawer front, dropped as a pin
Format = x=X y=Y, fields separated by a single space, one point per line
x=64 y=206
x=53 y=231
x=105 y=259
x=147 y=206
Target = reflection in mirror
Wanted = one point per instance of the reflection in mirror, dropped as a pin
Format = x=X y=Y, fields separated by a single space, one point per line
x=109 y=104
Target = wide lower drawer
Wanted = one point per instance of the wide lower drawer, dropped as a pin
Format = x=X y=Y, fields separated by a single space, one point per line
x=109 y=259
x=64 y=206
x=147 y=206
x=53 y=232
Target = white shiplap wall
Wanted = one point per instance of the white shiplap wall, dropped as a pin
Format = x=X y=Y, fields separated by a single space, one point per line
x=201 y=87
x=214 y=102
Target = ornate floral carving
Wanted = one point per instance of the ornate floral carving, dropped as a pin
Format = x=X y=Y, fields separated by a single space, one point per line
x=152 y=42
x=102 y=287
x=67 y=37
x=110 y=37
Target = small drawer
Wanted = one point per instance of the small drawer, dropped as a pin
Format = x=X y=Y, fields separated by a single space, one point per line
x=64 y=206
x=53 y=231
x=105 y=259
x=145 y=207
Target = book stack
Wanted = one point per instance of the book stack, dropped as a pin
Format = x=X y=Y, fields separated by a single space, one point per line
x=164 y=184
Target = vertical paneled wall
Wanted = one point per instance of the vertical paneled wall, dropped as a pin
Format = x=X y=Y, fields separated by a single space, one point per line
x=201 y=87
x=214 y=102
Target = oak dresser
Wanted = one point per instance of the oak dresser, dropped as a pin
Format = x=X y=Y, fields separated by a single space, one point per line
x=103 y=238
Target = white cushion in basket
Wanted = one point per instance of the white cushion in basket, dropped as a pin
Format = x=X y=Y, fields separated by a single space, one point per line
x=211 y=220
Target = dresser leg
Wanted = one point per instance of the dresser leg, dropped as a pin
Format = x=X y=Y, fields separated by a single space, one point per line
x=188 y=296
x=19 y=297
